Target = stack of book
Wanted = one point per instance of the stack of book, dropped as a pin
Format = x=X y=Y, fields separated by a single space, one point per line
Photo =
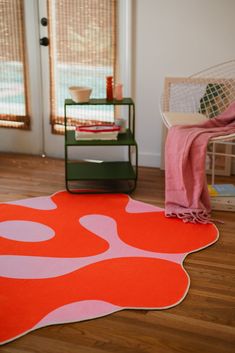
x=97 y=132
x=222 y=196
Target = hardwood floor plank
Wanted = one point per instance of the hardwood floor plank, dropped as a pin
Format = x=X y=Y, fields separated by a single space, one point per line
x=203 y=322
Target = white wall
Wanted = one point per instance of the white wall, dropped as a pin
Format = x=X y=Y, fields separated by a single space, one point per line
x=174 y=38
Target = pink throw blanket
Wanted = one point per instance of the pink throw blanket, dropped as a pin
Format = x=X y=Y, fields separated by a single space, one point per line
x=186 y=192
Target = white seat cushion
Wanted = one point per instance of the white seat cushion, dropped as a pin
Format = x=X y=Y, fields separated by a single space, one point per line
x=173 y=118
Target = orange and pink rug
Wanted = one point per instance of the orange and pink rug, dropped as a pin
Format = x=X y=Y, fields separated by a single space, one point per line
x=68 y=258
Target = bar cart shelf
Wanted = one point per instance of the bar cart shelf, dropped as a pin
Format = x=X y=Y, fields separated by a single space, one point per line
x=114 y=176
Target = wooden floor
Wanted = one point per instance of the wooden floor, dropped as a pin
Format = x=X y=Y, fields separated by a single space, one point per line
x=202 y=323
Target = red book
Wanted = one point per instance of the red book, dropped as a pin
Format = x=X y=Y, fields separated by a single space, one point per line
x=97 y=132
x=98 y=128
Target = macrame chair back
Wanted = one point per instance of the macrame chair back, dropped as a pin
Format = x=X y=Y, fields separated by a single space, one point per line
x=204 y=95
x=208 y=92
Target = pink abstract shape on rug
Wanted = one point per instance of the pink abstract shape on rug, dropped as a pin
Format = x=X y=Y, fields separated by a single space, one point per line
x=83 y=310
x=79 y=257
x=25 y=231
x=134 y=206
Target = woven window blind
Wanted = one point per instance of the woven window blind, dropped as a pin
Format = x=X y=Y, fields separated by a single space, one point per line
x=13 y=90
x=82 y=37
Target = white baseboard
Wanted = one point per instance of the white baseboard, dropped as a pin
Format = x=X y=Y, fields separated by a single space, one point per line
x=149 y=159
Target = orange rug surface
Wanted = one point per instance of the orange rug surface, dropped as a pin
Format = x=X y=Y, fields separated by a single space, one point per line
x=67 y=258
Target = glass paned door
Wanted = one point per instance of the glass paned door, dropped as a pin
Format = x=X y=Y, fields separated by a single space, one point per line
x=82 y=36
x=40 y=75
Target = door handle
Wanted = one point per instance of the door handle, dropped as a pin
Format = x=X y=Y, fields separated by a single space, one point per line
x=44 y=21
x=44 y=41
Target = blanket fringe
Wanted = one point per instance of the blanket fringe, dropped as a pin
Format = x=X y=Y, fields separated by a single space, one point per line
x=201 y=216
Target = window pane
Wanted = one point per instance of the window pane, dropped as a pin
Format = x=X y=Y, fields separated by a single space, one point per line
x=83 y=42
x=13 y=110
